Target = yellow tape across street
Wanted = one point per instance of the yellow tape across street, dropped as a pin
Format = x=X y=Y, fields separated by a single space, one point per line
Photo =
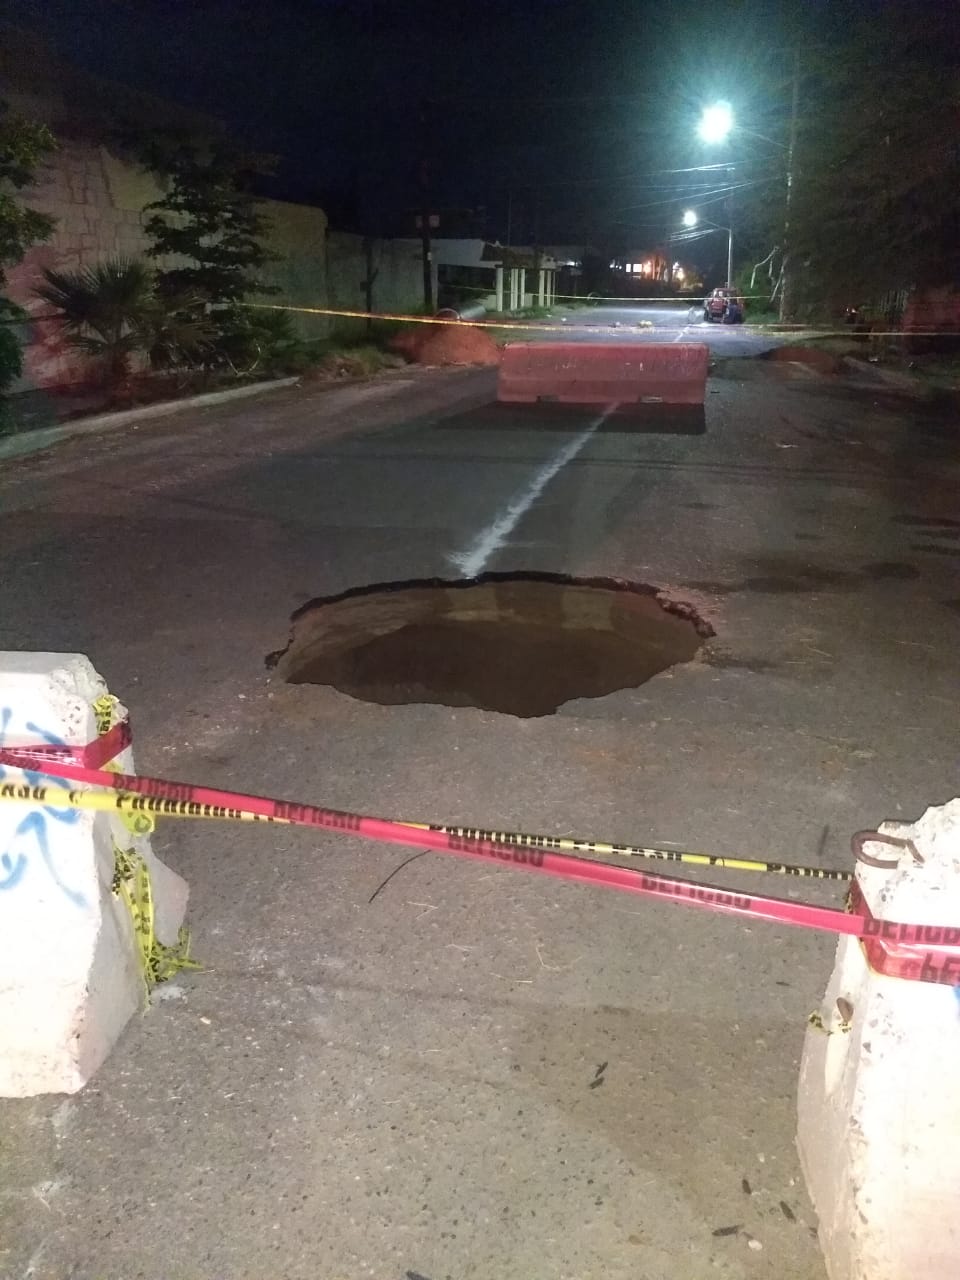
x=460 y=324
x=139 y=811
x=540 y=326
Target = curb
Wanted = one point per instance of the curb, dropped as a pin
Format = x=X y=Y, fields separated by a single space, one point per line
x=16 y=446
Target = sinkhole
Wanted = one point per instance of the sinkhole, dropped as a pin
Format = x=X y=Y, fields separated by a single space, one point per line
x=521 y=643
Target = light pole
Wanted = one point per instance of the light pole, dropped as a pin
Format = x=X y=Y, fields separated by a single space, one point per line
x=691 y=219
x=716 y=123
x=786 y=271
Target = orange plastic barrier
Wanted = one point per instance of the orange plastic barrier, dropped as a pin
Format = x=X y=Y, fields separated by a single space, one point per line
x=603 y=373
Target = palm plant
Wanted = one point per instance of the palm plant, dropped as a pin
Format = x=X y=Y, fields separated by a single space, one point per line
x=106 y=309
x=177 y=329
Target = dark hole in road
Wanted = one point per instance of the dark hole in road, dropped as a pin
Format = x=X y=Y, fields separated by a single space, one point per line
x=522 y=644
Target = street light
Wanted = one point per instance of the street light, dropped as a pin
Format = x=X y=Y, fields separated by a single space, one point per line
x=689 y=218
x=716 y=121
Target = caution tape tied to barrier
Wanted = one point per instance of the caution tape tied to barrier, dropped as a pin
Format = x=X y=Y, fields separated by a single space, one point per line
x=159 y=961
x=925 y=953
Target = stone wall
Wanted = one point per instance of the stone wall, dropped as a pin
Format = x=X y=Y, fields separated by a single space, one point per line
x=97 y=201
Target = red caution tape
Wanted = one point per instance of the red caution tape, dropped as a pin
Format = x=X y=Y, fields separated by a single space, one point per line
x=934 y=954
x=93 y=756
x=922 y=953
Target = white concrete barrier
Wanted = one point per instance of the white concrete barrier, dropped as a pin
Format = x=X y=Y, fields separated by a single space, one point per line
x=70 y=968
x=879 y=1099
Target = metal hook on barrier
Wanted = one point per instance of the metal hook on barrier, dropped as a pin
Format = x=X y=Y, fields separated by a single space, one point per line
x=860 y=839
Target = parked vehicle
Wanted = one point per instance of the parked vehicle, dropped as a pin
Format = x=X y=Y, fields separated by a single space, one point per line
x=723 y=305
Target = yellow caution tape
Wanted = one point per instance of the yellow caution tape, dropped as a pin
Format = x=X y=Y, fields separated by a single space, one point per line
x=460 y=324
x=158 y=962
x=561 y=844
x=816 y=1021
x=785 y=329
x=145 y=808
x=103 y=711
x=126 y=804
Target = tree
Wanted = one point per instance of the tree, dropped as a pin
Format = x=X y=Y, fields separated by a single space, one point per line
x=878 y=158
x=207 y=232
x=23 y=145
x=207 y=217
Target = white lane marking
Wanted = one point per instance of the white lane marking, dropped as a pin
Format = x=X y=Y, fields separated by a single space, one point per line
x=474 y=560
x=681 y=335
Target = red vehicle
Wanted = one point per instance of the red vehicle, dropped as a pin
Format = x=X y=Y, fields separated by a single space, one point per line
x=723 y=305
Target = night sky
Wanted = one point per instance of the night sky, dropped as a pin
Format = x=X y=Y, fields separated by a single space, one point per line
x=570 y=119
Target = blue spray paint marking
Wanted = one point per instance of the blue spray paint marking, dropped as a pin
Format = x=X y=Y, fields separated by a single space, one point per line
x=14 y=862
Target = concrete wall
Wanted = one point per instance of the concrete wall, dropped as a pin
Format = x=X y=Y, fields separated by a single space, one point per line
x=298 y=235
x=397 y=277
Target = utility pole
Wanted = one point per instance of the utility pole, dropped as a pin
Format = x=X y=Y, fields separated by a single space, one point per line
x=425 y=209
x=786 y=298
x=730 y=228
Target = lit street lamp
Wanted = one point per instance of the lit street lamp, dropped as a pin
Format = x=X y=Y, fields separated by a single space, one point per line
x=691 y=219
x=715 y=122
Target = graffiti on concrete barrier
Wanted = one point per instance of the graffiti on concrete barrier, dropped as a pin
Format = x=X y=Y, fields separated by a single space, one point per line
x=29 y=846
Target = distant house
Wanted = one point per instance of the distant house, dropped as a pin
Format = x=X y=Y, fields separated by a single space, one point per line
x=503 y=278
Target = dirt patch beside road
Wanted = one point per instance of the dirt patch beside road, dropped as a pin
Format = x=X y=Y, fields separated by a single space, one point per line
x=821 y=361
x=447 y=344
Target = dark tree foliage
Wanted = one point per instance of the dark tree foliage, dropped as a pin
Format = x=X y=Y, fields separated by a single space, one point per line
x=208 y=219
x=207 y=234
x=877 y=182
x=23 y=146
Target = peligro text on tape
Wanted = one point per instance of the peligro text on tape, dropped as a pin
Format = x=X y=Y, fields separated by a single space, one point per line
x=939 y=959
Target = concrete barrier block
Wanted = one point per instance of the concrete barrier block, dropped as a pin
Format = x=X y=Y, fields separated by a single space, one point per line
x=603 y=373
x=878 y=1105
x=70 y=973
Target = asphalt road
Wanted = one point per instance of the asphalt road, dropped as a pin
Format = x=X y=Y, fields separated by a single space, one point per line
x=406 y=1087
